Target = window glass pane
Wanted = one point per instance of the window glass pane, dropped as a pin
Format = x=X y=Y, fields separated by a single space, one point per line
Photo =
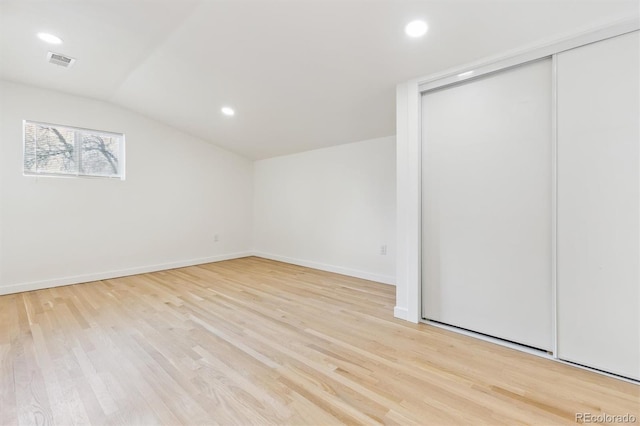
x=99 y=155
x=55 y=150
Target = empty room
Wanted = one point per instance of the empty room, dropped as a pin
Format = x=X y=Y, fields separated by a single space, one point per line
x=319 y=212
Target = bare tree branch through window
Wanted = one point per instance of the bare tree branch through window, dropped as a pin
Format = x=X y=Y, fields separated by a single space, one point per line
x=50 y=149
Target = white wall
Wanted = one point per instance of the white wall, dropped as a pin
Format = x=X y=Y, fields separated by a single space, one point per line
x=329 y=209
x=178 y=193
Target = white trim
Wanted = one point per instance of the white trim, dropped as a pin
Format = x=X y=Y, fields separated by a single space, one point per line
x=400 y=312
x=415 y=173
x=105 y=133
x=529 y=53
x=554 y=205
x=384 y=279
x=408 y=188
x=80 y=279
x=402 y=200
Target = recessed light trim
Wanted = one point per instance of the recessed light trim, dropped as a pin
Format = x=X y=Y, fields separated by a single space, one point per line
x=465 y=74
x=49 y=38
x=228 y=111
x=416 y=28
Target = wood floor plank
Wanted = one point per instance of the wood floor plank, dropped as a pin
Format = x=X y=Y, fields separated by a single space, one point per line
x=253 y=341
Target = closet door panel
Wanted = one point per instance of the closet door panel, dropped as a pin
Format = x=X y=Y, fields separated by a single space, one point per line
x=486 y=205
x=599 y=205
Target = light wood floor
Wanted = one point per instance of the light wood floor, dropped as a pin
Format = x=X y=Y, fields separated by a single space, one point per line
x=251 y=341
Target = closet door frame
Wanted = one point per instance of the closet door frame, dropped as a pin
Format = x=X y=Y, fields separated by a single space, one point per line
x=409 y=164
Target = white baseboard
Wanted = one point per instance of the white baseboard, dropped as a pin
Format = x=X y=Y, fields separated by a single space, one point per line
x=401 y=313
x=105 y=275
x=77 y=279
x=385 y=279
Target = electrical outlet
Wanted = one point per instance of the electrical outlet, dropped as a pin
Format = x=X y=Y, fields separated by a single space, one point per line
x=383 y=249
x=216 y=238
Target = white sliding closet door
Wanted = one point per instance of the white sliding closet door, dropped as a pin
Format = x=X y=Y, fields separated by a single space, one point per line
x=599 y=205
x=486 y=205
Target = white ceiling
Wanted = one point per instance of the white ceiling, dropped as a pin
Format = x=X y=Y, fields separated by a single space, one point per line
x=301 y=74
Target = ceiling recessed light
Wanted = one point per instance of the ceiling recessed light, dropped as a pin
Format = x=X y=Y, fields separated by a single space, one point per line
x=228 y=111
x=49 y=38
x=416 y=28
x=465 y=74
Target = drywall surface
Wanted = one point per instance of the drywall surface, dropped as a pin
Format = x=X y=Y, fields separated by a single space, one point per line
x=331 y=209
x=179 y=192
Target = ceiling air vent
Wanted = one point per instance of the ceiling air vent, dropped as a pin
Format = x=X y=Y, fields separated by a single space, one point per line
x=58 y=59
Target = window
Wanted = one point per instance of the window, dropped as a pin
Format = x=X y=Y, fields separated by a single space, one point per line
x=50 y=149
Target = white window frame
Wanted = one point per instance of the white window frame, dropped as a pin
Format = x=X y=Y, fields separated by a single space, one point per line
x=121 y=152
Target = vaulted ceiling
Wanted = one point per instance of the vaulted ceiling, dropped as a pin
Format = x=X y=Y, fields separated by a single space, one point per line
x=301 y=74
